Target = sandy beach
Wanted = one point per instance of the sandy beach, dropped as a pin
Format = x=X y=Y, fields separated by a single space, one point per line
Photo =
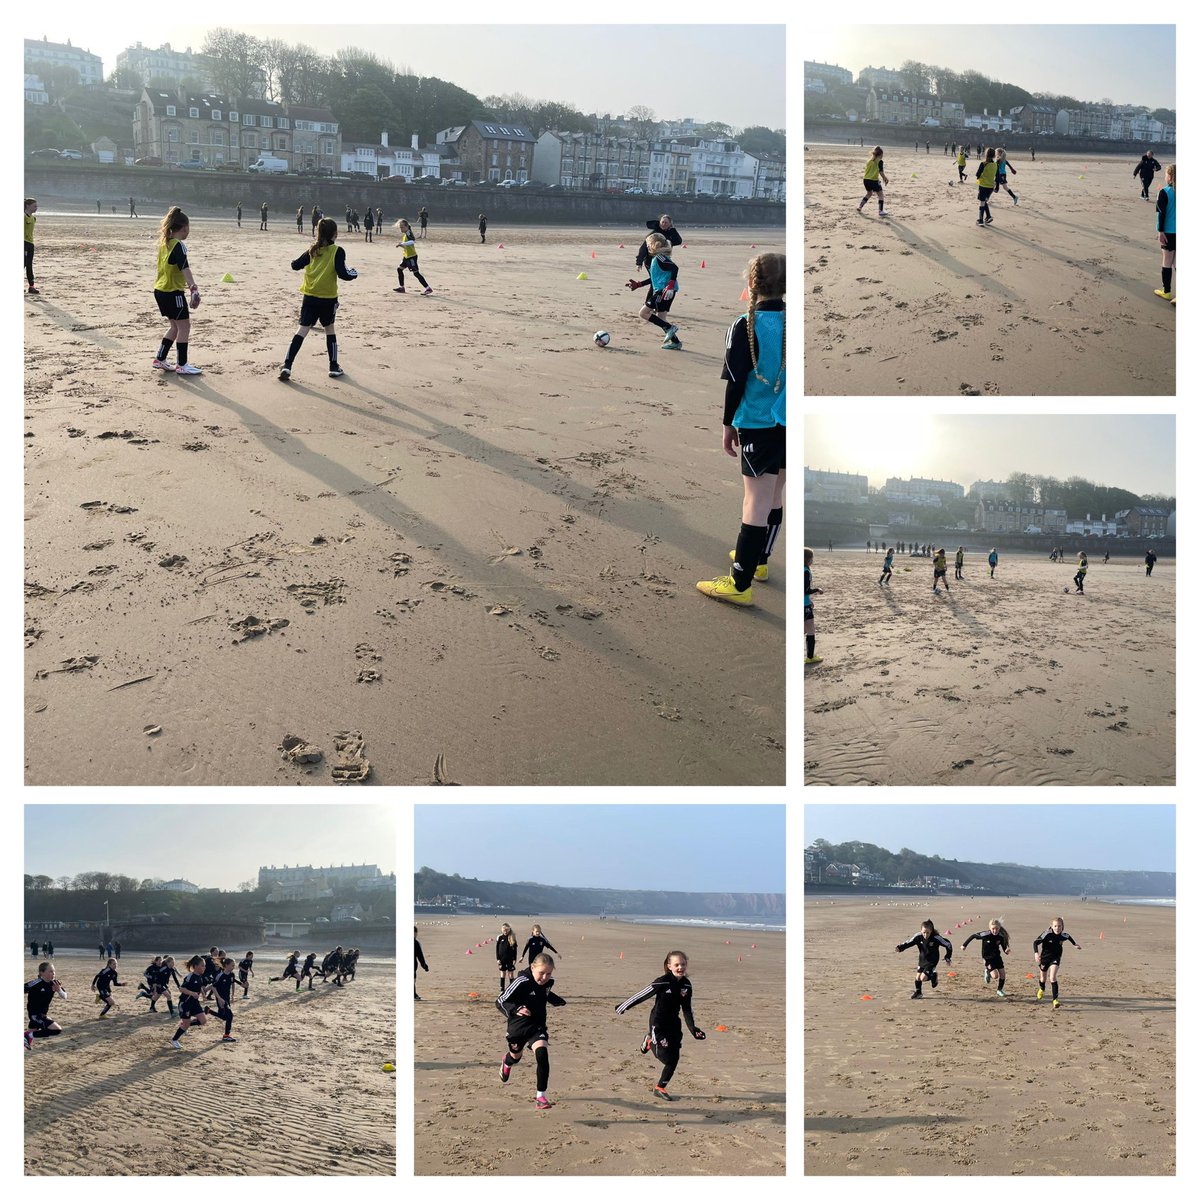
x=728 y=1115
x=1003 y=681
x=965 y=1083
x=470 y=560
x=1055 y=297
x=302 y=1092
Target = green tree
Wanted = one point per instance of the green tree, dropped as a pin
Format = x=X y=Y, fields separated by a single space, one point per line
x=238 y=61
x=759 y=140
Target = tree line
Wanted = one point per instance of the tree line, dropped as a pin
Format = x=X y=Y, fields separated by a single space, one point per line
x=105 y=881
x=1078 y=496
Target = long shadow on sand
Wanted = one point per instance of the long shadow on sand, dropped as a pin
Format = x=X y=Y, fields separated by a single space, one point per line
x=1137 y=288
x=943 y=258
x=874 y=1124
x=675 y=1112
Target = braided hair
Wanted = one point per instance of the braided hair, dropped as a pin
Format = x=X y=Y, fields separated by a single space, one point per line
x=766 y=277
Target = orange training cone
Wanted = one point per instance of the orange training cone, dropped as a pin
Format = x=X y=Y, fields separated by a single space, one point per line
x=621 y=246
x=866 y=997
x=702 y=264
x=745 y=294
x=753 y=945
x=593 y=254
x=500 y=247
x=470 y=951
x=622 y=954
x=952 y=974
x=721 y=1028
x=739 y=958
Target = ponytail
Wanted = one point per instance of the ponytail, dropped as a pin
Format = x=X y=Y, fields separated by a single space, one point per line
x=175 y=219
x=326 y=235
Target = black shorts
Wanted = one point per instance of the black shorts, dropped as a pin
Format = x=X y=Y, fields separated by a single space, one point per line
x=762 y=451
x=314 y=309
x=507 y=964
x=1170 y=242
x=985 y=194
x=243 y=976
x=657 y=302
x=189 y=1007
x=994 y=964
x=39 y=1021
x=872 y=185
x=937 y=573
x=523 y=1030
x=409 y=264
x=172 y=305
x=1046 y=963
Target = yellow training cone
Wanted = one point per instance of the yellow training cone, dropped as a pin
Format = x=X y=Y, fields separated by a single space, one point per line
x=389 y=1066
x=581 y=275
x=227 y=278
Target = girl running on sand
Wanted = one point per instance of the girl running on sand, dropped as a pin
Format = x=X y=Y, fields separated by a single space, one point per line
x=191 y=1011
x=506 y=955
x=929 y=944
x=524 y=1002
x=754 y=425
x=1003 y=166
x=31 y=207
x=672 y=992
x=939 y=570
x=985 y=175
x=1164 y=215
x=1080 y=572
x=245 y=970
x=886 y=577
x=38 y=994
x=872 y=174
x=993 y=560
x=993 y=944
x=961 y=163
x=810 y=624
x=306 y=971
x=408 y=244
x=173 y=276
x=223 y=986
x=290 y=971
x=323 y=264
x=149 y=981
x=536 y=944
x=664 y=287
x=1049 y=956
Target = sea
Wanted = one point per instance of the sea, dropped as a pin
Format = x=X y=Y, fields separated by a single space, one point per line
x=775 y=926
x=1153 y=901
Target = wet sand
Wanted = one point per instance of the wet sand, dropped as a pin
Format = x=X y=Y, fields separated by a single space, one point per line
x=963 y=1082
x=1055 y=297
x=728 y=1114
x=1002 y=681
x=302 y=1092
x=470 y=560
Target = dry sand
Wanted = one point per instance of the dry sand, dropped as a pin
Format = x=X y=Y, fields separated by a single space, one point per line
x=1055 y=297
x=728 y=1114
x=302 y=1092
x=1003 y=681
x=478 y=550
x=965 y=1083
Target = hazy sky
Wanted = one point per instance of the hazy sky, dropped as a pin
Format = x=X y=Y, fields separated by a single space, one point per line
x=1137 y=453
x=217 y=845
x=729 y=73
x=667 y=847
x=1109 y=837
x=1127 y=64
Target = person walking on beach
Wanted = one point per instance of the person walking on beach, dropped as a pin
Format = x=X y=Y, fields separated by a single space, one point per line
x=524 y=1002
x=886 y=577
x=958 y=563
x=369 y=226
x=1033 y=154
x=300 y=220
x=482 y=228
x=117 y=949
x=939 y=570
x=810 y=623
x=49 y=949
x=191 y=1011
x=1145 y=169
x=316 y=219
x=831 y=545
x=103 y=983
x=323 y=264
x=108 y=950
x=1151 y=559
x=38 y=994
x=985 y=175
x=418 y=961
x=536 y=944
x=961 y=163
x=1049 y=957
x=872 y=173
x=672 y=994
x=1106 y=558
x=33 y=949
x=754 y=426
x=664 y=287
x=506 y=955
x=407 y=244
x=31 y=207
x=993 y=944
x=223 y=987
x=100 y=947
x=239 y=214
x=423 y=217
x=262 y=224
x=1003 y=166
x=1080 y=572
x=245 y=970
x=993 y=559
x=1164 y=211
x=133 y=212
x=929 y=945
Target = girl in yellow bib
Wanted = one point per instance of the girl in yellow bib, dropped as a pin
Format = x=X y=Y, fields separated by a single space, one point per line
x=173 y=276
x=872 y=174
x=409 y=261
x=985 y=174
x=323 y=264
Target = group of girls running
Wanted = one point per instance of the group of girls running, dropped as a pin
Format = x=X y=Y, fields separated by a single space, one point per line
x=1047 y=955
x=523 y=1002
x=208 y=977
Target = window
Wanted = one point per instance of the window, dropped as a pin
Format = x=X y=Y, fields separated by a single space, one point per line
x=280 y=143
x=217 y=138
x=194 y=113
x=267 y=122
x=250 y=141
x=170 y=110
x=495 y=162
x=216 y=114
x=248 y=119
x=233 y=140
x=172 y=135
x=327 y=146
x=233 y=117
x=194 y=137
x=282 y=122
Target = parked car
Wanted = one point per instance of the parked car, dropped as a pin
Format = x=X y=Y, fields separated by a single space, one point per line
x=555 y=187
x=73 y=154
x=149 y=161
x=230 y=166
x=48 y=152
x=635 y=191
x=508 y=183
x=193 y=165
x=395 y=179
x=428 y=179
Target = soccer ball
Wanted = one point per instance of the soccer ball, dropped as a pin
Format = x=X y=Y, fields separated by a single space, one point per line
x=601 y=338
x=1066 y=590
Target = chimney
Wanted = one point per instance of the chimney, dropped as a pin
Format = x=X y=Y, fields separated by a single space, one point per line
x=383 y=140
x=416 y=141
